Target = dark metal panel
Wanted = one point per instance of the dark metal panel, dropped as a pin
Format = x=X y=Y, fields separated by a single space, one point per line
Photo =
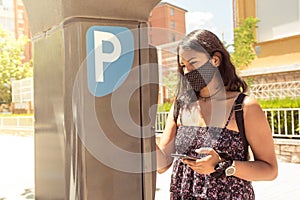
x=49 y=117
x=149 y=97
x=44 y=14
x=96 y=176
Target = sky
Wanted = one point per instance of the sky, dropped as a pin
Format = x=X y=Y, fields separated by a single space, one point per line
x=214 y=15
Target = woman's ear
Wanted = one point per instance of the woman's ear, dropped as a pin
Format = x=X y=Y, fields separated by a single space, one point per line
x=216 y=59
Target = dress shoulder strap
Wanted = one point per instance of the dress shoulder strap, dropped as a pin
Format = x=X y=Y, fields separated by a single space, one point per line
x=239 y=116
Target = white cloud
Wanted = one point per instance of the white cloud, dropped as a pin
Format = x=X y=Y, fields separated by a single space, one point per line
x=199 y=20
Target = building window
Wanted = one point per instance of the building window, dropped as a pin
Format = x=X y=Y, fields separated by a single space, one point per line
x=172 y=24
x=173 y=37
x=20 y=3
x=21 y=32
x=20 y=15
x=172 y=11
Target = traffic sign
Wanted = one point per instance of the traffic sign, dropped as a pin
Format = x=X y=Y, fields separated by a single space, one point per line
x=110 y=53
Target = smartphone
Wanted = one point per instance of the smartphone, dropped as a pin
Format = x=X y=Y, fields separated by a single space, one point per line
x=183 y=156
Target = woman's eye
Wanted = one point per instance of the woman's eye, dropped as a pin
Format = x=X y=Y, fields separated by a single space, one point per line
x=194 y=62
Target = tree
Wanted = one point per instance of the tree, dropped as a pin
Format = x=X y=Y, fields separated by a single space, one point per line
x=12 y=65
x=244 y=41
x=170 y=82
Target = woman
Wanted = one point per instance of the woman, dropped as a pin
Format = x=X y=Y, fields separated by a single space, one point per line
x=202 y=124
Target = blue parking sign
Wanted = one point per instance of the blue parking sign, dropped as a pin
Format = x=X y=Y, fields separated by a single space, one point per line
x=110 y=54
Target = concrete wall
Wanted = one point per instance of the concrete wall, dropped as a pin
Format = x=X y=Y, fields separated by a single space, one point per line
x=287 y=150
x=17 y=123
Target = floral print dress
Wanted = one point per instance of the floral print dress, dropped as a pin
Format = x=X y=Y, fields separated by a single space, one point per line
x=187 y=184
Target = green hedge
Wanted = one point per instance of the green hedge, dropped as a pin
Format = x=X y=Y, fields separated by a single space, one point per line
x=275 y=103
x=280 y=103
x=164 y=107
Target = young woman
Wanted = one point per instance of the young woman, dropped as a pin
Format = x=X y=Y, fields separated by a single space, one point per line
x=202 y=124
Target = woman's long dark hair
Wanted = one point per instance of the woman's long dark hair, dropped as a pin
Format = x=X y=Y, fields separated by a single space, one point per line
x=206 y=42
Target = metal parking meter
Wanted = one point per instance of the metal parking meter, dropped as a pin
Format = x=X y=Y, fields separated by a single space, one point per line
x=95 y=85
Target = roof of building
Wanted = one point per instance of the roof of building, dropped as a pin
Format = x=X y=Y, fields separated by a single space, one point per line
x=166 y=3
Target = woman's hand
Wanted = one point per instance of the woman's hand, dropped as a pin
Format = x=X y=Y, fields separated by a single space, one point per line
x=205 y=165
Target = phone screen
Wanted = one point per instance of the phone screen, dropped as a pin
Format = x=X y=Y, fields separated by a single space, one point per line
x=183 y=156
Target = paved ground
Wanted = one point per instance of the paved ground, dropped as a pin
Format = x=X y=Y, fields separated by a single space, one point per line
x=16 y=166
x=17 y=174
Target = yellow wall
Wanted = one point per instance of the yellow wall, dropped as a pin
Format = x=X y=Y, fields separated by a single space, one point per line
x=278 y=52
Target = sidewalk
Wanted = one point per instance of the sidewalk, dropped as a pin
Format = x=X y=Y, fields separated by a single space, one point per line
x=16 y=166
x=285 y=187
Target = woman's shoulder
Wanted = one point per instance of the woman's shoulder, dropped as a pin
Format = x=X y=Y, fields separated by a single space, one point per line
x=250 y=101
x=251 y=105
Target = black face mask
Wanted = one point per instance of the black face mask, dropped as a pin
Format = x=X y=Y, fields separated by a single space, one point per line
x=201 y=77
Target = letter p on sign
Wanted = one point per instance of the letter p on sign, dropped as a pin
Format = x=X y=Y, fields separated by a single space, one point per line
x=110 y=53
x=99 y=37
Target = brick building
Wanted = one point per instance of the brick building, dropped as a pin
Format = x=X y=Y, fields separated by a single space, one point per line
x=167 y=24
x=166 y=29
x=22 y=26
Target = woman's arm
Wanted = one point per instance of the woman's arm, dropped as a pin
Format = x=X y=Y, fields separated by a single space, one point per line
x=166 y=145
x=259 y=136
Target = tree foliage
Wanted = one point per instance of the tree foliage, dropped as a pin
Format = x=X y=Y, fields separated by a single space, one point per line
x=244 y=41
x=12 y=65
x=170 y=82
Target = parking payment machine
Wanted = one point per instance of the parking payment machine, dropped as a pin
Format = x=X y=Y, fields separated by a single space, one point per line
x=95 y=90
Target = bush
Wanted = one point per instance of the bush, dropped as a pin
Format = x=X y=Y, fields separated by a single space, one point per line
x=280 y=103
x=166 y=107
